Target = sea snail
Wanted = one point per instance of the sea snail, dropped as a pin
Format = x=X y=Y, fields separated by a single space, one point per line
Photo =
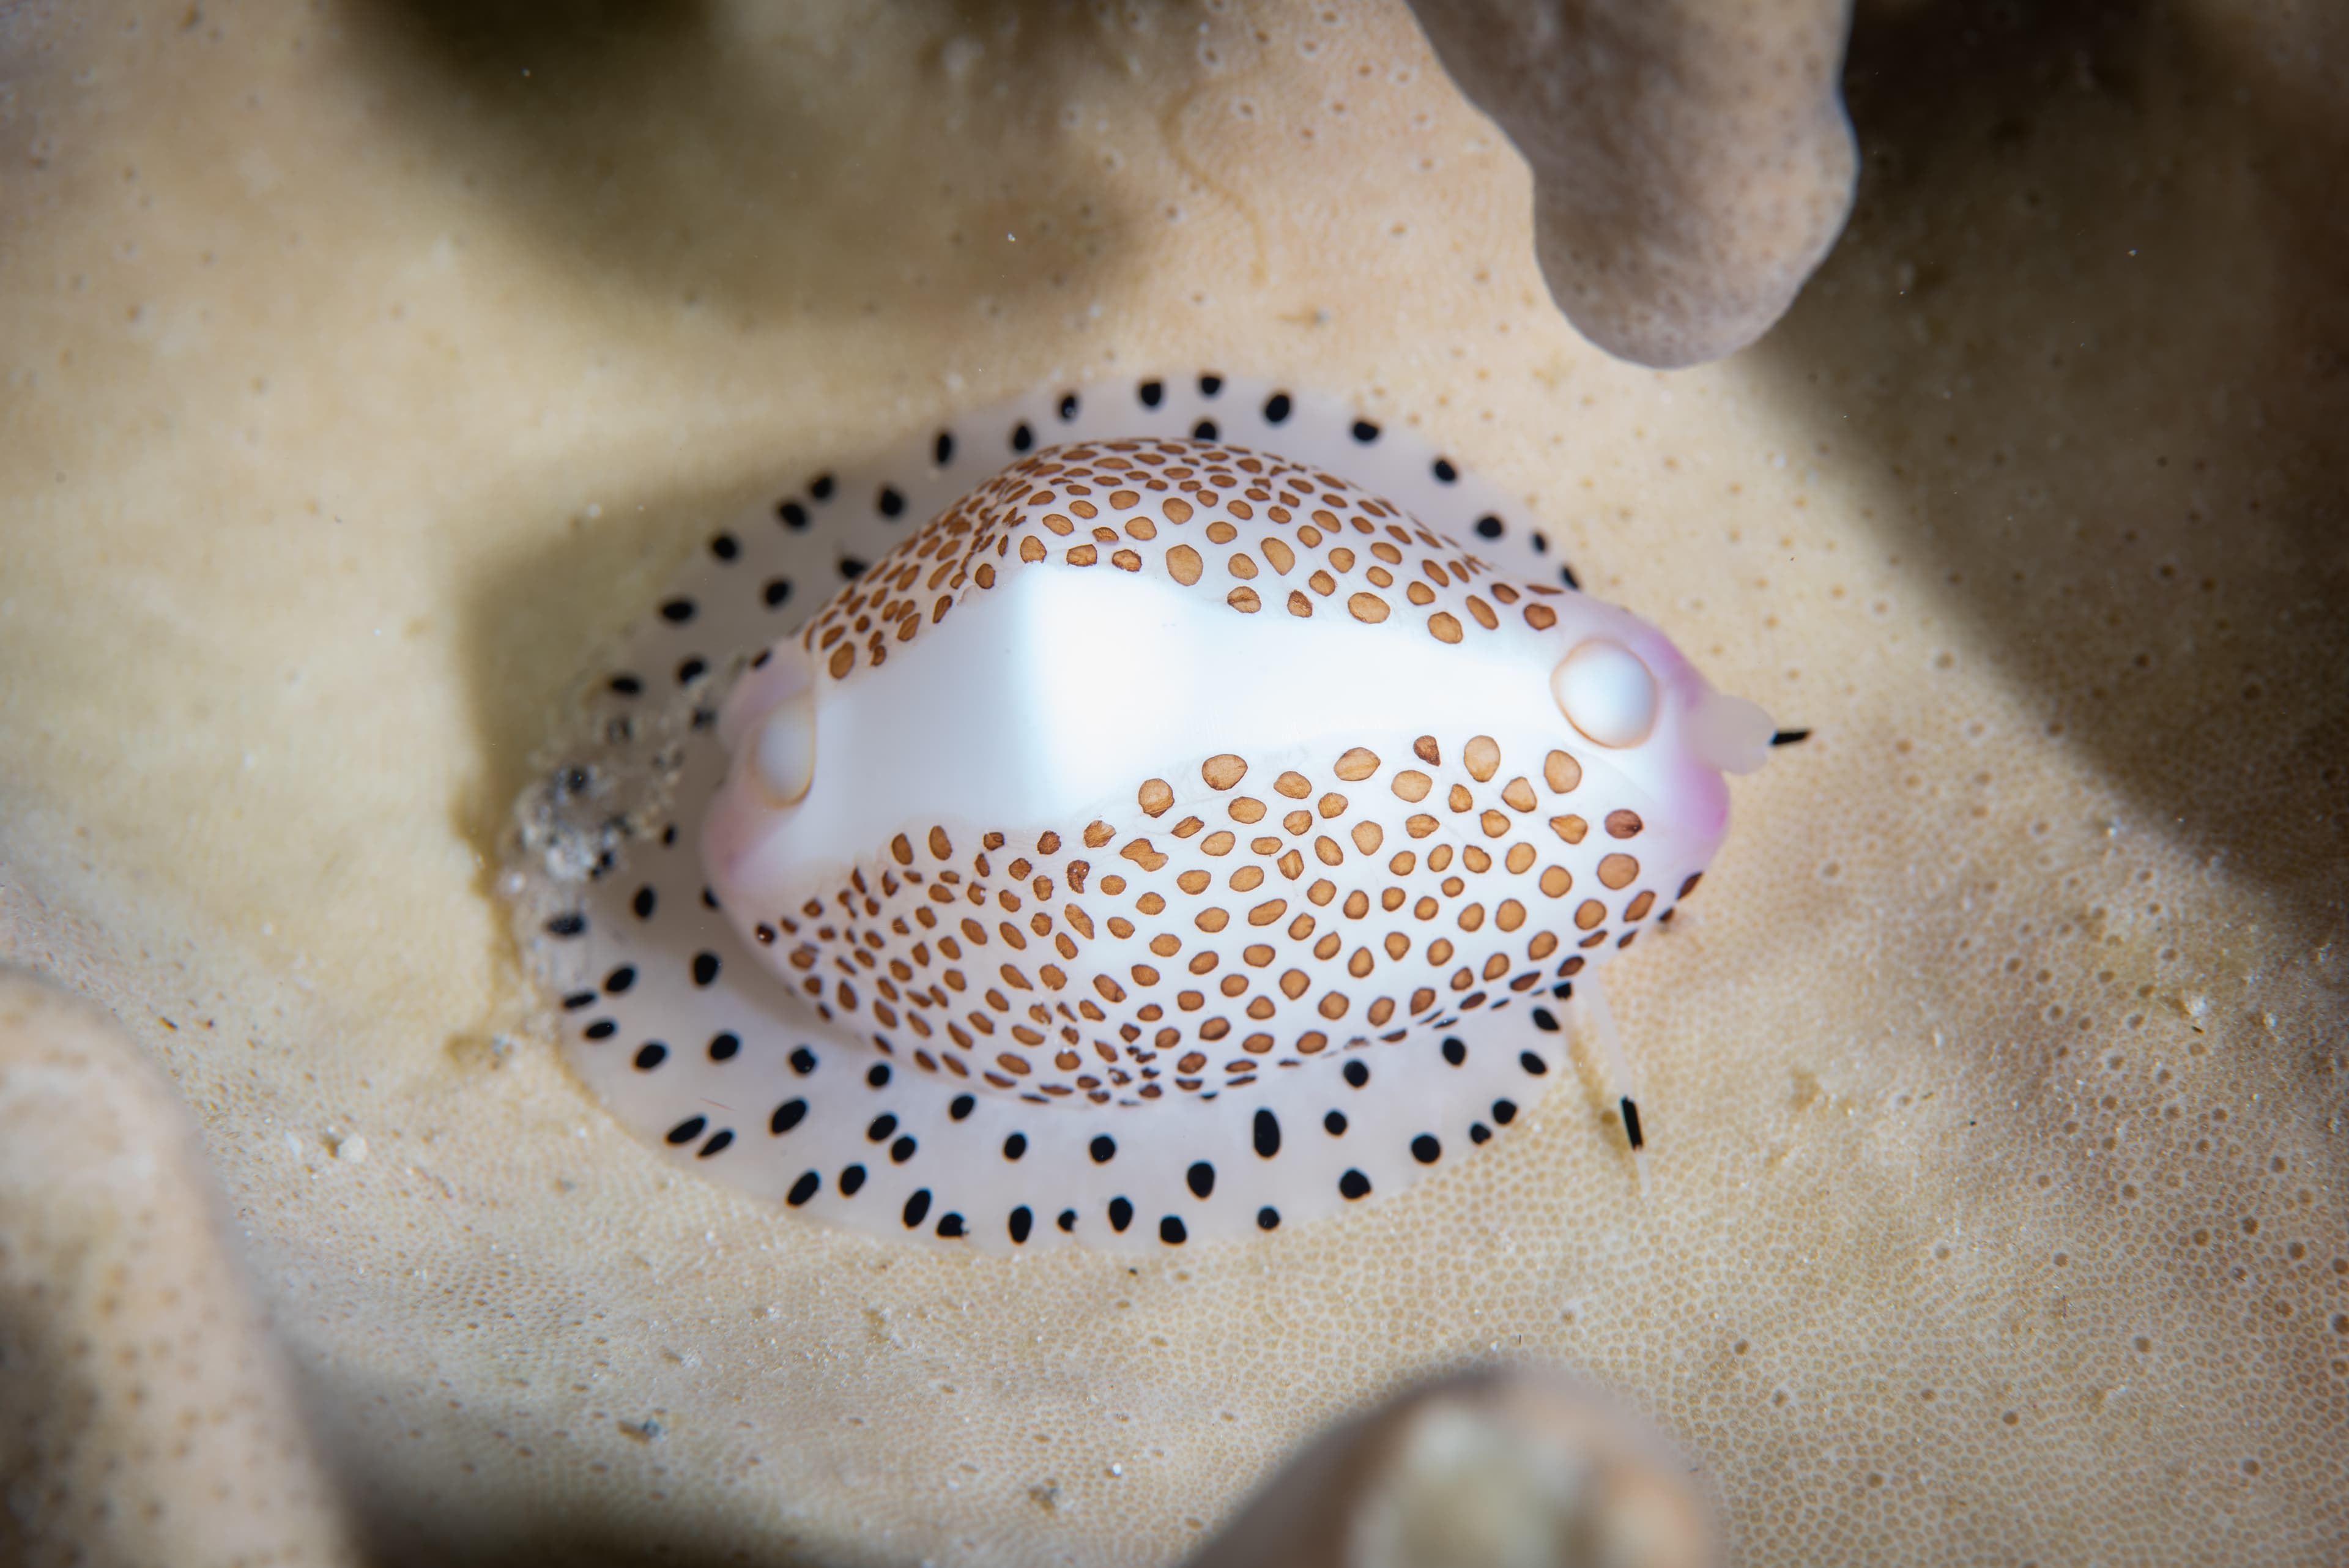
x=1154 y=765
x=1154 y=794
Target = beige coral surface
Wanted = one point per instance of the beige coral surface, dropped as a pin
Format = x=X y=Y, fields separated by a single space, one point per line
x=367 y=365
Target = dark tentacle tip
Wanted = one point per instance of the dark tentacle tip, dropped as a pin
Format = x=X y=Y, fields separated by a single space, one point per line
x=1790 y=737
x=1631 y=1123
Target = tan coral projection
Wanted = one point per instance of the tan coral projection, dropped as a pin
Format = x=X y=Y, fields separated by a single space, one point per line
x=1489 y=1469
x=1691 y=162
x=144 y=1415
x=362 y=372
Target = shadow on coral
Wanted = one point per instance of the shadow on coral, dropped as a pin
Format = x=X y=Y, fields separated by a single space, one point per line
x=2106 y=365
x=528 y=638
x=535 y=623
x=681 y=151
x=567 y=1536
x=44 y=1394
